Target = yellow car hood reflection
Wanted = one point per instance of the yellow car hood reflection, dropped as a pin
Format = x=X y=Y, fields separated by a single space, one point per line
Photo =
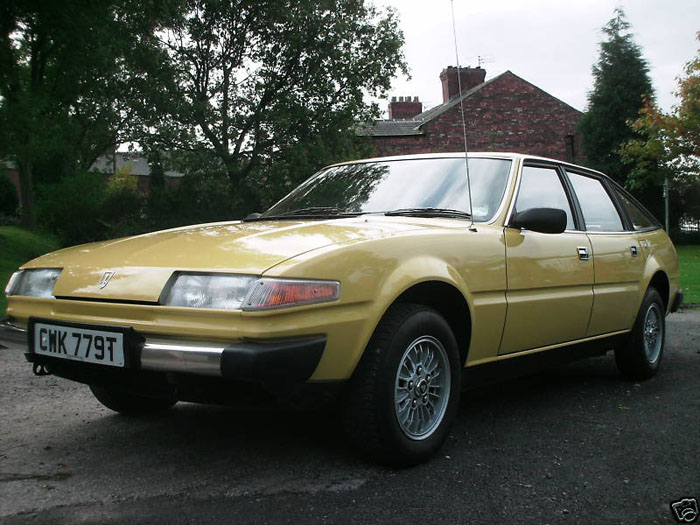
x=143 y=264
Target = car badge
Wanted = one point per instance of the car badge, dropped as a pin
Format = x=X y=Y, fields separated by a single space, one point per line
x=105 y=279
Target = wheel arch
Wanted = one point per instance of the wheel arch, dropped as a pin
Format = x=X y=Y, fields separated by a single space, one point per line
x=449 y=302
x=422 y=280
x=661 y=283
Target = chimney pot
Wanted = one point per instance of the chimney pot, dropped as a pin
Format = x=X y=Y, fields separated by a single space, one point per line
x=404 y=108
x=469 y=76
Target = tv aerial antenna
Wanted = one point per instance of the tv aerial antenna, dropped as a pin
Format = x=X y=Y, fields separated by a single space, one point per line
x=480 y=60
x=464 y=122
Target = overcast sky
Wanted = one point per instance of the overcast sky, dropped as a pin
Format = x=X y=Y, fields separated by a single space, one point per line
x=550 y=43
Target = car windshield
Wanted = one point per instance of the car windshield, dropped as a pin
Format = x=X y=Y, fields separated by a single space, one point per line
x=434 y=187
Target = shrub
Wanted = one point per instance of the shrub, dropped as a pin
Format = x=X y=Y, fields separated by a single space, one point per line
x=72 y=207
x=198 y=198
x=122 y=209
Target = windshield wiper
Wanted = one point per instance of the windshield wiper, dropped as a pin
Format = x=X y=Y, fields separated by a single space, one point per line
x=430 y=212
x=312 y=212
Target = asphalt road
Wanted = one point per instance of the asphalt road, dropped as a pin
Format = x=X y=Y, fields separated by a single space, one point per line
x=576 y=445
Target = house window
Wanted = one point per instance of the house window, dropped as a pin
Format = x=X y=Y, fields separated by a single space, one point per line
x=569 y=147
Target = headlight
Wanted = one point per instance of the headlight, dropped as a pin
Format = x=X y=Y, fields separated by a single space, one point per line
x=244 y=292
x=33 y=283
x=12 y=283
x=224 y=292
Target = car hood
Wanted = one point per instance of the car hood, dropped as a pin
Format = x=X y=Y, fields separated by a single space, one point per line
x=143 y=264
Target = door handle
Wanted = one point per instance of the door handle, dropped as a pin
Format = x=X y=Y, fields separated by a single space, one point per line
x=583 y=253
x=633 y=249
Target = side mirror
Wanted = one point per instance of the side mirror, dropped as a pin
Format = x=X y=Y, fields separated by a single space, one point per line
x=543 y=220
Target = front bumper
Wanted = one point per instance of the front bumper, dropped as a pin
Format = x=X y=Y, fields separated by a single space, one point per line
x=256 y=360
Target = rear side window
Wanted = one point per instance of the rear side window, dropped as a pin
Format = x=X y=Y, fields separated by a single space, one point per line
x=641 y=219
x=542 y=188
x=599 y=212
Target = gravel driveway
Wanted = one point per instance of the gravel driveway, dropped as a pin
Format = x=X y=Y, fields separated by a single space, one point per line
x=576 y=445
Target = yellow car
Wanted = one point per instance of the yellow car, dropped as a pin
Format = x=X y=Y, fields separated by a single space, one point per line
x=383 y=283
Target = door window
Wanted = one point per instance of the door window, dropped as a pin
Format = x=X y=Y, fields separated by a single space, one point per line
x=640 y=218
x=542 y=188
x=599 y=212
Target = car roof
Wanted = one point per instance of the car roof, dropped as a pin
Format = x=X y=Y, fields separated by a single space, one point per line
x=472 y=154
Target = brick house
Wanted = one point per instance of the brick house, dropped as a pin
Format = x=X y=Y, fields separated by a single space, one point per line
x=107 y=165
x=505 y=113
x=137 y=165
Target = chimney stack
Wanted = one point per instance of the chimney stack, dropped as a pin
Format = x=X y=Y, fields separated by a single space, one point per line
x=404 y=108
x=470 y=76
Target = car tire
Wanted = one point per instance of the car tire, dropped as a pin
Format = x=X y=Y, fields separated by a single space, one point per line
x=405 y=392
x=129 y=404
x=640 y=356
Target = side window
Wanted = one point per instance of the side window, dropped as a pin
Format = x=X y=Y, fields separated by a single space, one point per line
x=639 y=217
x=599 y=212
x=542 y=188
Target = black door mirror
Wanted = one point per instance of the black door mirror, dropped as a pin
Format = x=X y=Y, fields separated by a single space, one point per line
x=543 y=220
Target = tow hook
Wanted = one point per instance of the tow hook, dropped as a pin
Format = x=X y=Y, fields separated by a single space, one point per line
x=40 y=370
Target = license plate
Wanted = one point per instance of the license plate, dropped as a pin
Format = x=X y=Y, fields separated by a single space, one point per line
x=88 y=345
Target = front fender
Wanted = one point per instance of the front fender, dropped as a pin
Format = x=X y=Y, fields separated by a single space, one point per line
x=374 y=273
x=410 y=273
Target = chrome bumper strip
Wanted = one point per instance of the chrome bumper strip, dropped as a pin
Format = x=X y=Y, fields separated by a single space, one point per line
x=245 y=360
x=12 y=337
x=176 y=356
x=159 y=354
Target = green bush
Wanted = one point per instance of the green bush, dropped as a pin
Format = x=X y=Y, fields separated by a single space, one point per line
x=72 y=208
x=84 y=207
x=123 y=207
x=196 y=199
x=8 y=197
x=684 y=238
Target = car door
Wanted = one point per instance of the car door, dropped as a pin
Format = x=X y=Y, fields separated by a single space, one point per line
x=618 y=256
x=549 y=276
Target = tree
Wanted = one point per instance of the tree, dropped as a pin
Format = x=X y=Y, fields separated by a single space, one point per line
x=8 y=197
x=268 y=80
x=671 y=140
x=72 y=76
x=667 y=145
x=621 y=81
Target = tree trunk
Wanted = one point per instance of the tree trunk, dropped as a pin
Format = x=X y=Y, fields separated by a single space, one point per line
x=26 y=193
x=246 y=200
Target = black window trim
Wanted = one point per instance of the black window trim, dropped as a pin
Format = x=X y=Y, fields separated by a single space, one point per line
x=622 y=213
x=618 y=188
x=577 y=215
x=609 y=184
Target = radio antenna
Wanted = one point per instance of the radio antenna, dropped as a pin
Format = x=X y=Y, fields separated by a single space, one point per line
x=464 y=123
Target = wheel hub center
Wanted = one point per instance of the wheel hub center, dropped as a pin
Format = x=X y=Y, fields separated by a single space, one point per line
x=422 y=386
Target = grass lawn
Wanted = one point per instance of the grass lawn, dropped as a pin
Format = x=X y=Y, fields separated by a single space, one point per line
x=17 y=246
x=689 y=259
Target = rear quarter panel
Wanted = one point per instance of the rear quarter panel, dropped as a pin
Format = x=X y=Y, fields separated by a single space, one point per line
x=661 y=256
